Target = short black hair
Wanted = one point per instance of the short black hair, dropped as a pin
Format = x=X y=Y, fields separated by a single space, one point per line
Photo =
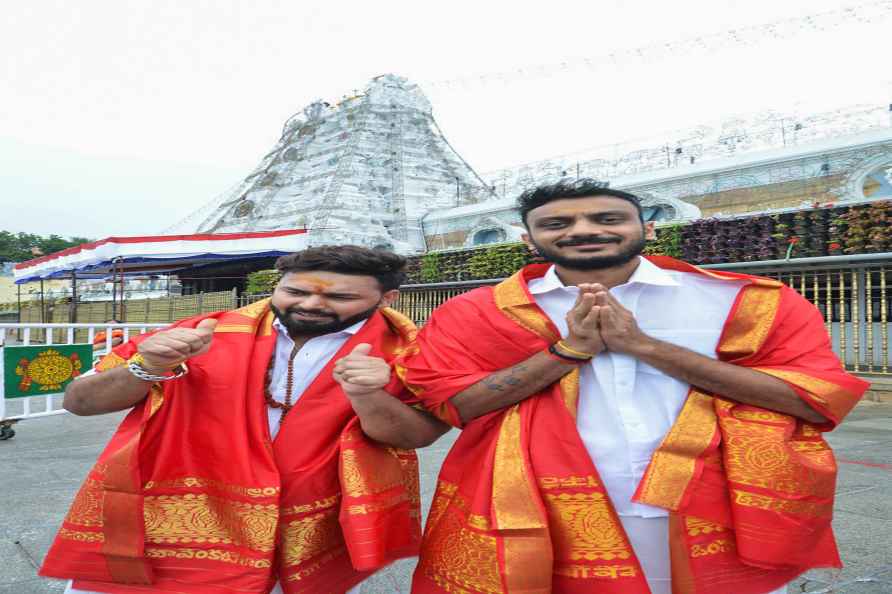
x=578 y=188
x=384 y=265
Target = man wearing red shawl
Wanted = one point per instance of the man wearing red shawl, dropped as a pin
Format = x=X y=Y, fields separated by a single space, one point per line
x=267 y=448
x=630 y=425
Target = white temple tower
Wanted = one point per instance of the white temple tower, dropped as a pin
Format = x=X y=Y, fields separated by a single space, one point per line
x=362 y=172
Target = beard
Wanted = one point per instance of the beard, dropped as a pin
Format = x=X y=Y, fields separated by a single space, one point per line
x=325 y=325
x=594 y=262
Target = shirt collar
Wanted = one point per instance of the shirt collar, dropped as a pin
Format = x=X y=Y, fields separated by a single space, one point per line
x=280 y=328
x=647 y=273
x=545 y=283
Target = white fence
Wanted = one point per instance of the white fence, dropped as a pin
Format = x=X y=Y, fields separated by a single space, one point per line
x=34 y=334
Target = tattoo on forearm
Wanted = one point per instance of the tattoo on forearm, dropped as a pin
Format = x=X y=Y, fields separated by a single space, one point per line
x=498 y=382
x=493 y=384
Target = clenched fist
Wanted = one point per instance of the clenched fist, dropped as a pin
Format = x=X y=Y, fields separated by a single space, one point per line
x=168 y=348
x=359 y=374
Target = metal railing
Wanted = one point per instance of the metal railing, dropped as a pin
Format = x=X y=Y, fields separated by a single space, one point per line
x=35 y=334
x=418 y=301
x=144 y=311
x=854 y=299
x=247 y=298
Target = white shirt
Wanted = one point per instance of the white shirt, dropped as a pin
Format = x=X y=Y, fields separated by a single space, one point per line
x=312 y=357
x=626 y=407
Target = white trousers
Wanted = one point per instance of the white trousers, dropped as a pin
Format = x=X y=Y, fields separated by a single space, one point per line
x=277 y=590
x=650 y=540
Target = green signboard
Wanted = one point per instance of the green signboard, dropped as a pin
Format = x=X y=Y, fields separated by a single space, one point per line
x=45 y=369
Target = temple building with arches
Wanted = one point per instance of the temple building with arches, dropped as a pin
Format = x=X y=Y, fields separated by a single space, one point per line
x=375 y=169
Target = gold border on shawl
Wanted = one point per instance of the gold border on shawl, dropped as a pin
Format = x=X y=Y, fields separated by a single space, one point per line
x=201 y=518
x=86 y=509
x=821 y=509
x=220 y=555
x=110 y=361
x=305 y=538
x=751 y=321
x=527 y=554
x=569 y=386
x=514 y=302
x=823 y=392
x=81 y=535
x=318 y=505
x=196 y=482
x=260 y=317
x=123 y=517
x=584 y=527
x=234 y=328
x=674 y=463
x=513 y=504
x=369 y=470
x=457 y=553
x=402 y=323
x=256 y=318
x=254 y=310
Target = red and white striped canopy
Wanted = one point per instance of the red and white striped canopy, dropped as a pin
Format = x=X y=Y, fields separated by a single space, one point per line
x=158 y=254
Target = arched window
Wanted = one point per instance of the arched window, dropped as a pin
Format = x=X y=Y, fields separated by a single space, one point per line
x=485 y=236
x=878 y=183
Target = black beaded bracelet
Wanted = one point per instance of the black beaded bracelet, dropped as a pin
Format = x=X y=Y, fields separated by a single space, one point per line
x=565 y=357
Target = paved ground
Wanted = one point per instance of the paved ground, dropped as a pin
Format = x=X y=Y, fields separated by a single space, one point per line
x=44 y=464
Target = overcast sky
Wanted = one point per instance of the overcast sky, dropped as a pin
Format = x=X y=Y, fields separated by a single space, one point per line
x=121 y=117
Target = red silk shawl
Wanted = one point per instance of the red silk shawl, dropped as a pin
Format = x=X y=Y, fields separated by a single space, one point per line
x=520 y=506
x=191 y=495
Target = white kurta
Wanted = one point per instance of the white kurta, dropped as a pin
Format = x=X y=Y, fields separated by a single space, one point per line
x=626 y=407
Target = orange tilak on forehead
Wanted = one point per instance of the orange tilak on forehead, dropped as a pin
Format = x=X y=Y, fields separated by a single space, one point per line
x=317 y=285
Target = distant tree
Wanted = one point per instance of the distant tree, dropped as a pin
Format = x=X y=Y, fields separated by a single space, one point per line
x=54 y=243
x=18 y=247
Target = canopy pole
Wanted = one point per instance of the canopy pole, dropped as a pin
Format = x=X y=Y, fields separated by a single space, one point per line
x=114 y=278
x=72 y=309
x=123 y=308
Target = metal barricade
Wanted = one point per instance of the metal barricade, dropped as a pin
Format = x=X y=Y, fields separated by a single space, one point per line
x=16 y=409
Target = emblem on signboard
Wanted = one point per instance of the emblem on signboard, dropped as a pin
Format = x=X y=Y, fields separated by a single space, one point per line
x=49 y=370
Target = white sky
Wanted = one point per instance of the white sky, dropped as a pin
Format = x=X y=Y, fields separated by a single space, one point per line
x=121 y=117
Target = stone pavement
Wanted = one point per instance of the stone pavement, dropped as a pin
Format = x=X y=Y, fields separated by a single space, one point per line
x=43 y=466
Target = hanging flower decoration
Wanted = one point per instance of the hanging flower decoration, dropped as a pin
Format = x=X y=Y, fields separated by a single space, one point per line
x=792 y=241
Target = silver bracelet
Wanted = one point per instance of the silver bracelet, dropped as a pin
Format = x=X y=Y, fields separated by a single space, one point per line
x=137 y=370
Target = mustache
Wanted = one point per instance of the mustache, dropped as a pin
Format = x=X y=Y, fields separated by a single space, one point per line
x=309 y=312
x=587 y=240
